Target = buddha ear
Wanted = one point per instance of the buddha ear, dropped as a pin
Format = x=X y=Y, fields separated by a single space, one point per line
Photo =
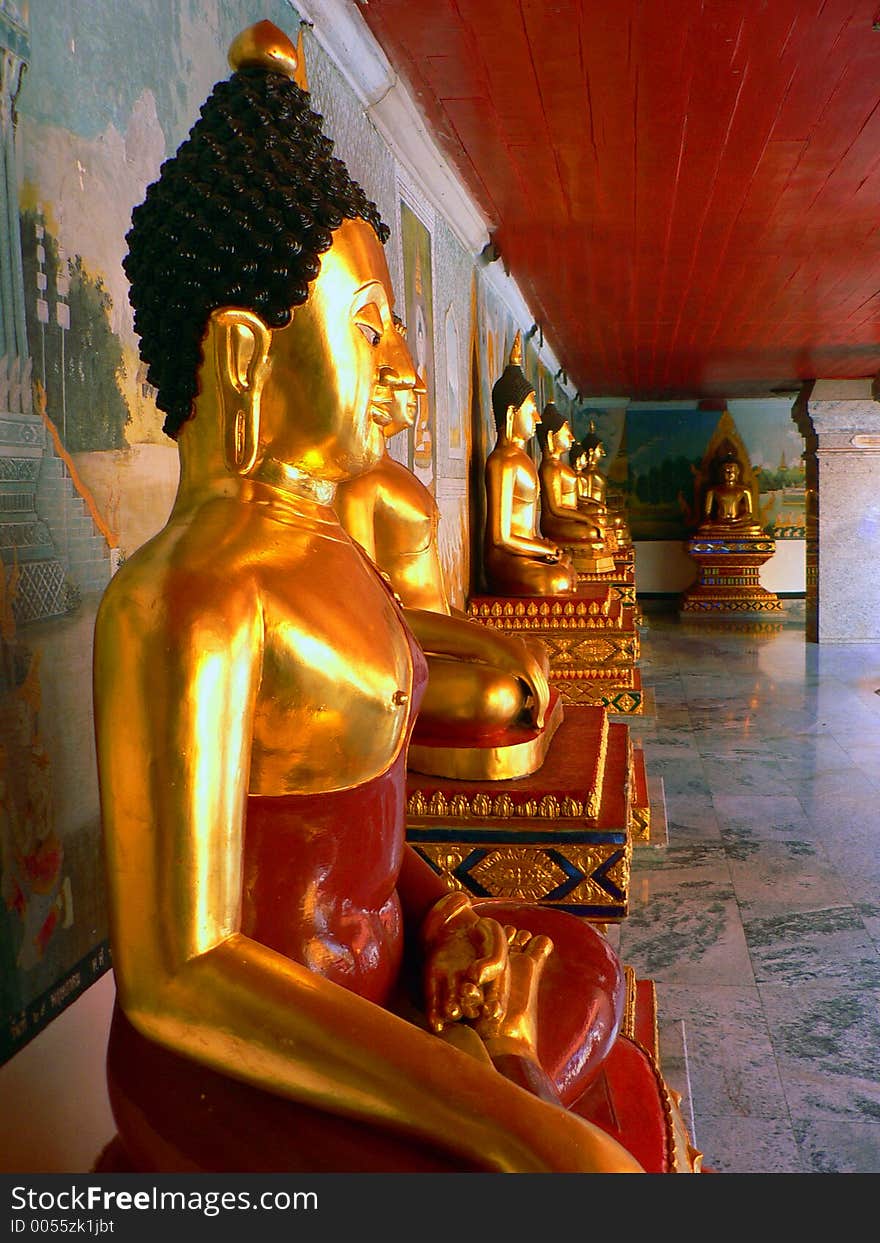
x=241 y=348
x=508 y=421
x=551 y=442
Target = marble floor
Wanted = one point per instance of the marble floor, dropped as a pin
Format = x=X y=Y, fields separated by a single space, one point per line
x=759 y=919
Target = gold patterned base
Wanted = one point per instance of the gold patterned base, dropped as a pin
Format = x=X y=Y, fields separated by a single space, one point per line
x=592 y=642
x=641 y=803
x=640 y=1024
x=588 y=561
x=560 y=837
x=619 y=691
x=727 y=583
x=731 y=604
x=517 y=756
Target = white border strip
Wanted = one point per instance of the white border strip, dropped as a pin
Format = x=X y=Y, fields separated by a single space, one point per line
x=345 y=37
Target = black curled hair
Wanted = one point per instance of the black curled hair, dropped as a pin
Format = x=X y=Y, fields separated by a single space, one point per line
x=551 y=421
x=238 y=217
x=588 y=442
x=511 y=389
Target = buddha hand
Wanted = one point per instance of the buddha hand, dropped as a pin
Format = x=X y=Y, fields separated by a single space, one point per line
x=466 y=964
x=515 y=1031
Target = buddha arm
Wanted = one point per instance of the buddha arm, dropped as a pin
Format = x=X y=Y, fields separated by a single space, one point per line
x=445 y=635
x=500 y=513
x=552 y=499
x=589 y=503
x=174 y=706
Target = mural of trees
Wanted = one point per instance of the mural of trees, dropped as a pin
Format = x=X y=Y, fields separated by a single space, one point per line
x=78 y=364
x=670 y=478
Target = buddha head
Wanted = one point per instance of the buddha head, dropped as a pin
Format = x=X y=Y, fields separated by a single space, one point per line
x=554 y=432
x=257 y=267
x=396 y=396
x=587 y=452
x=513 y=399
x=729 y=471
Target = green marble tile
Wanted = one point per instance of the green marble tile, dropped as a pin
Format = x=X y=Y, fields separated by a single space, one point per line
x=826 y=1035
x=838 y=1147
x=812 y=945
x=734 y=1145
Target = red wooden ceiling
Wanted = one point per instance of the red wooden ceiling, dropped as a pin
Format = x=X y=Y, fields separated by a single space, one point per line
x=686 y=191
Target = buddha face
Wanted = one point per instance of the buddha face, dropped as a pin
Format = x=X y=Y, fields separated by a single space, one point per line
x=730 y=473
x=563 y=439
x=395 y=395
x=340 y=373
x=525 y=419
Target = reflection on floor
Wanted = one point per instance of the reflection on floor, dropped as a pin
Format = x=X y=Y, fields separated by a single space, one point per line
x=760 y=919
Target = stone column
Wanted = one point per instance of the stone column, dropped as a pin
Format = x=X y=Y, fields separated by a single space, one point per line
x=843 y=526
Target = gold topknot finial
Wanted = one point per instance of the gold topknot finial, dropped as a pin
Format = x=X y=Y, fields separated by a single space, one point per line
x=264 y=46
x=516 y=351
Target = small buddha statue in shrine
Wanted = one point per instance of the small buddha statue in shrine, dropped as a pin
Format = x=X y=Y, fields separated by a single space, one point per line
x=727 y=504
x=517 y=560
x=296 y=990
x=480 y=682
x=728 y=546
x=563 y=518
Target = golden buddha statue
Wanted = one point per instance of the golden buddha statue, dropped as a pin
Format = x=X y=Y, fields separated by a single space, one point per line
x=592 y=488
x=562 y=518
x=481 y=683
x=727 y=504
x=255 y=687
x=518 y=561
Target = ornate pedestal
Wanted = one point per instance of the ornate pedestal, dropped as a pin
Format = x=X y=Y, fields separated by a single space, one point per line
x=588 y=562
x=630 y=1098
x=621 y=576
x=728 y=575
x=640 y=823
x=591 y=639
x=560 y=837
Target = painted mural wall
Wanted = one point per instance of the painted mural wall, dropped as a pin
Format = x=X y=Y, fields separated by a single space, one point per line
x=96 y=93
x=654 y=452
x=653 y=458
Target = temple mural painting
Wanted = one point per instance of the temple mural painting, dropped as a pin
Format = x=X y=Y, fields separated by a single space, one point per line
x=455 y=406
x=418 y=299
x=94 y=94
x=776 y=448
x=665 y=445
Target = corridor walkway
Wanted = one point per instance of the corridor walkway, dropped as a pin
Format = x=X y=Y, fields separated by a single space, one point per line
x=760 y=919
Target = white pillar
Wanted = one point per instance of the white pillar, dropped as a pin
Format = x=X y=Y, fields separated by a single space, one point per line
x=845 y=556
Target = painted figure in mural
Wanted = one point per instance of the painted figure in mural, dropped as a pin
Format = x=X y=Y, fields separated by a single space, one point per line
x=480 y=682
x=562 y=517
x=584 y=457
x=255 y=687
x=727 y=505
x=518 y=562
